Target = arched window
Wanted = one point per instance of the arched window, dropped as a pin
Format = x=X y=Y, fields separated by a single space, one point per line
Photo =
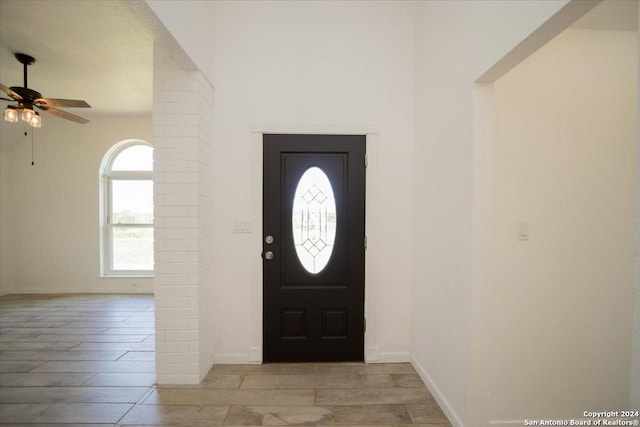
x=127 y=210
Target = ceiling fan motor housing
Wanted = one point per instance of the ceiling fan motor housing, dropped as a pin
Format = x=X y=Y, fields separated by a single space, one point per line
x=28 y=95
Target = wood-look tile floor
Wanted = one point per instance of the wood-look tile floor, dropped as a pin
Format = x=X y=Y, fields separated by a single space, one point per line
x=88 y=360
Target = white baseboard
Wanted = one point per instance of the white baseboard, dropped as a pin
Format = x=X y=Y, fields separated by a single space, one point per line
x=177 y=379
x=392 y=358
x=100 y=290
x=243 y=358
x=453 y=417
x=231 y=359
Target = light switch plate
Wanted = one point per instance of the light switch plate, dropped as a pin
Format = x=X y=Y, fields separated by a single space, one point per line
x=523 y=231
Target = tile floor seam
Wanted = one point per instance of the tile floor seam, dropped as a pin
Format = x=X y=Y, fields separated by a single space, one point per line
x=224 y=420
x=145 y=396
x=321 y=379
x=125 y=414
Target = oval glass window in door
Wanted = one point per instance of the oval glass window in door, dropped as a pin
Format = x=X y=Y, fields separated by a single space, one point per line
x=313 y=220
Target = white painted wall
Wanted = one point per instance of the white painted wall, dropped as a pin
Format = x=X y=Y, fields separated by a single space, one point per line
x=457 y=41
x=7 y=271
x=635 y=342
x=192 y=24
x=51 y=208
x=565 y=163
x=313 y=63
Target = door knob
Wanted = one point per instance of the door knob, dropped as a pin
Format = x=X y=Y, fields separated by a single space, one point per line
x=268 y=255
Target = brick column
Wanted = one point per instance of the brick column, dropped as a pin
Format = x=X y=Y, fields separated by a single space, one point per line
x=182 y=138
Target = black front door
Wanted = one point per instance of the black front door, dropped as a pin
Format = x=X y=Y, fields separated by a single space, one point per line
x=313 y=247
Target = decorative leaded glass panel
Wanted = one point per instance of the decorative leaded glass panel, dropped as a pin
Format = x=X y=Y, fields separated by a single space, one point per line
x=314 y=220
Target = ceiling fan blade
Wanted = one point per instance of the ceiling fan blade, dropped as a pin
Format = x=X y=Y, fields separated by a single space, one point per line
x=10 y=92
x=64 y=103
x=63 y=114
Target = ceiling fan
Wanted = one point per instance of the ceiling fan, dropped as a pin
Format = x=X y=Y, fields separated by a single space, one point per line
x=27 y=99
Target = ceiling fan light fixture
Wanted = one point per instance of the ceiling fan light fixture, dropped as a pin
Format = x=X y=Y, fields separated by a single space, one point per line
x=36 y=121
x=11 y=114
x=26 y=99
x=27 y=115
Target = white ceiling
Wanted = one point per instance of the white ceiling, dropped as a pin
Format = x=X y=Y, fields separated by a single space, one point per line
x=91 y=50
x=98 y=51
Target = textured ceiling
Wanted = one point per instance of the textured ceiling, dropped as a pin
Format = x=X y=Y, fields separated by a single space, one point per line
x=91 y=50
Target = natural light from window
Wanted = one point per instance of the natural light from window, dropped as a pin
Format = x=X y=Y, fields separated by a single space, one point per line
x=128 y=206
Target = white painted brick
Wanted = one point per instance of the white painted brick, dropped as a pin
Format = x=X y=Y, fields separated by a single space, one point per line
x=184 y=222
x=182 y=336
x=184 y=130
x=181 y=177
x=182 y=153
x=169 y=120
x=184 y=200
x=190 y=290
x=176 y=234
x=176 y=368
x=177 y=256
x=171 y=211
x=184 y=173
x=176 y=313
x=175 y=279
x=167 y=165
x=177 y=324
x=173 y=347
x=193 y=165
x=182 y=84
x=178 y=379
x=162 y=96
x=181 y=245
x=176 y=302
x=187 y=108
x=158 y=245
x=183 y=358
x=170 y=189
x=182 y=268
x=179 y=142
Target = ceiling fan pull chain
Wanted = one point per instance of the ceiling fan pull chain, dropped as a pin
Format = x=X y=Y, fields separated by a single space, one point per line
x=32 y=162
